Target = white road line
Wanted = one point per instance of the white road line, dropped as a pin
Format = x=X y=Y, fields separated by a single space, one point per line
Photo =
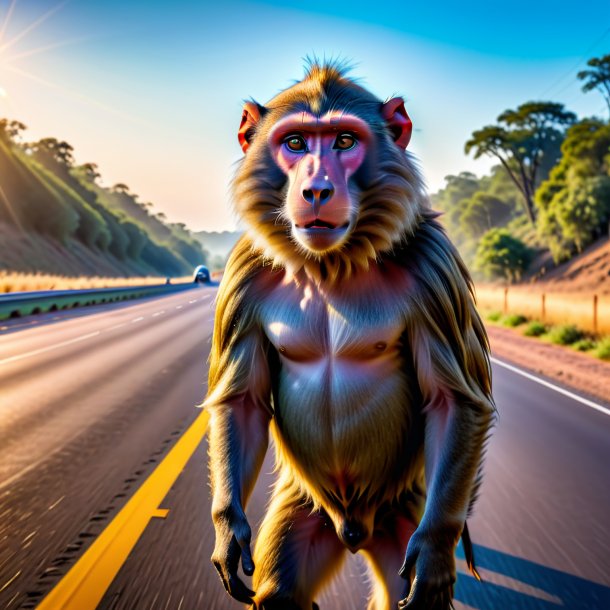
x=56 y=503
x=552 y=386
x=193 y=301
x=116 y=326
x=49 y=348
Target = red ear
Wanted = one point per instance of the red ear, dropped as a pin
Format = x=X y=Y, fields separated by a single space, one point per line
x=398 y=121
x=249 y=118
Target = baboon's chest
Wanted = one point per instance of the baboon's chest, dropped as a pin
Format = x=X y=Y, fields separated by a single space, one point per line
x=342 y=384
x=309 y=325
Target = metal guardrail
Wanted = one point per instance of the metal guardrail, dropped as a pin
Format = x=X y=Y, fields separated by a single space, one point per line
x=16 y=304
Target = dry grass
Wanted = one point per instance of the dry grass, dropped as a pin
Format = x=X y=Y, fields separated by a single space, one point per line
x=24 y=282
x=560 y=308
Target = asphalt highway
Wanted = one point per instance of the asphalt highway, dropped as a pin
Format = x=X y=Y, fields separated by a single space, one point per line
x=93 y=401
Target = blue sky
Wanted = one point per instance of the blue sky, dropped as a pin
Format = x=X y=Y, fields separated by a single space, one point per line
x=152 y=91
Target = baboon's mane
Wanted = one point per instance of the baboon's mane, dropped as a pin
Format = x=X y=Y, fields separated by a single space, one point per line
x=390 y=205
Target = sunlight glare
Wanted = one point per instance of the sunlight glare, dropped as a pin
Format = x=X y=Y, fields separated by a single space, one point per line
x=31 y=27
x=8 y=59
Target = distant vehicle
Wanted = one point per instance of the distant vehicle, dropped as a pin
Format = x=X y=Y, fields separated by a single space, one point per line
x=201 y=275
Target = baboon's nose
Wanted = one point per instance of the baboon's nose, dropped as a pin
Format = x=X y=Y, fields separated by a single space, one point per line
x=353 y=533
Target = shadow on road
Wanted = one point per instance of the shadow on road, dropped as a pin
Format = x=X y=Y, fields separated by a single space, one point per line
x=513 y=583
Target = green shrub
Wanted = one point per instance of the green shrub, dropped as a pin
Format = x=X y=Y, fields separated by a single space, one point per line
x=514 y=319
x=494 y=316
x=564 y=335
x=584 y=345
x=603 y=349
x=534 y=329
x=501 y=255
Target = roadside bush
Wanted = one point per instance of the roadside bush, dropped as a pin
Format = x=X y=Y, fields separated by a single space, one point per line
x=564 y=335
x=500 y=255
x=534 y=329
x=603 y=349
x=514 y=319
x=494 y=316
x=584 y=345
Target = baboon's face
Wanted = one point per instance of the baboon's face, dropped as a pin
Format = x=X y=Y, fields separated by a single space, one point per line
x=319 y=156
x=325 y=184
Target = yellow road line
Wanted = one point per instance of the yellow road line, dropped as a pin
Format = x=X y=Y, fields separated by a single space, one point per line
x=83 y=587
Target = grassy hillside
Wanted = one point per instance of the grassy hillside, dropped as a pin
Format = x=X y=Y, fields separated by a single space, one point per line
x=57 y=218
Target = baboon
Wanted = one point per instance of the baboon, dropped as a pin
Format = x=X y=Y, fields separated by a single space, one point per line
x=346 y=326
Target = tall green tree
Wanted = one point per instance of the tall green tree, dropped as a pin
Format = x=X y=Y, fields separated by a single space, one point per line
x=597 y=77
x=527 y=142
x=574 y=203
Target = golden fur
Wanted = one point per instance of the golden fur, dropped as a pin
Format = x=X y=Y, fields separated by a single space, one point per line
x=445 y=380
x=389 y=209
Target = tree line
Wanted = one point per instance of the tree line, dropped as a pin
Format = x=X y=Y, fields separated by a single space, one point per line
x=550 y=189
x=43 y=191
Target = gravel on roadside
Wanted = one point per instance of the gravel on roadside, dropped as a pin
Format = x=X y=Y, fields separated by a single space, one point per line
x=567 y=367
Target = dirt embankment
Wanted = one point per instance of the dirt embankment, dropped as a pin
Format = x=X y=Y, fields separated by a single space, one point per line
x=582 y=373
x=588 y=272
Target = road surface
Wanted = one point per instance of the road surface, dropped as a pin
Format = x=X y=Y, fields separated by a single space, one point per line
x=91 y=403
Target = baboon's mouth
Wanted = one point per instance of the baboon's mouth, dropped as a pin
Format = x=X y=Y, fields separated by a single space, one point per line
x=318 y=223
x=321 y=235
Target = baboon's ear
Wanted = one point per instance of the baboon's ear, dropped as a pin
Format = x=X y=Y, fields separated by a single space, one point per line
x=397 y=121
x=250 y=117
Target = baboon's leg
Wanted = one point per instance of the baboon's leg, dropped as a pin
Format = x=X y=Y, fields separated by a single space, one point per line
x=386 y=553
x=296 y=552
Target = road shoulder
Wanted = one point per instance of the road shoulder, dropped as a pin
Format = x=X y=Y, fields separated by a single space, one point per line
x=563 y=365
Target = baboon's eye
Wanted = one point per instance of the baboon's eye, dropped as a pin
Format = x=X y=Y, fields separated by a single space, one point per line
x=345 y=141
x=295 y=143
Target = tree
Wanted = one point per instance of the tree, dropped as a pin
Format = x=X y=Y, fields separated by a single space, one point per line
x=58 y=150
x=500 y=255
x=598 y=77
x=452 y=199
x=11 y=130
x=121 y=188
x=89 y=171
x=574 y=202
x=526 y=140
x=482 y=212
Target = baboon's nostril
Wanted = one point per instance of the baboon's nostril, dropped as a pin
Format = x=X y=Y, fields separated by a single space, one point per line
x=325 y=195
x=309 y=196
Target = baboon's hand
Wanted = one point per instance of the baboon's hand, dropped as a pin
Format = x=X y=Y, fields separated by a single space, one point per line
x=434 y=565
x=233 y=536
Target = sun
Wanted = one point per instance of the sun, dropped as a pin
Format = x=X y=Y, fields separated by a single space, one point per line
x=9 y=45
x=17 y=47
